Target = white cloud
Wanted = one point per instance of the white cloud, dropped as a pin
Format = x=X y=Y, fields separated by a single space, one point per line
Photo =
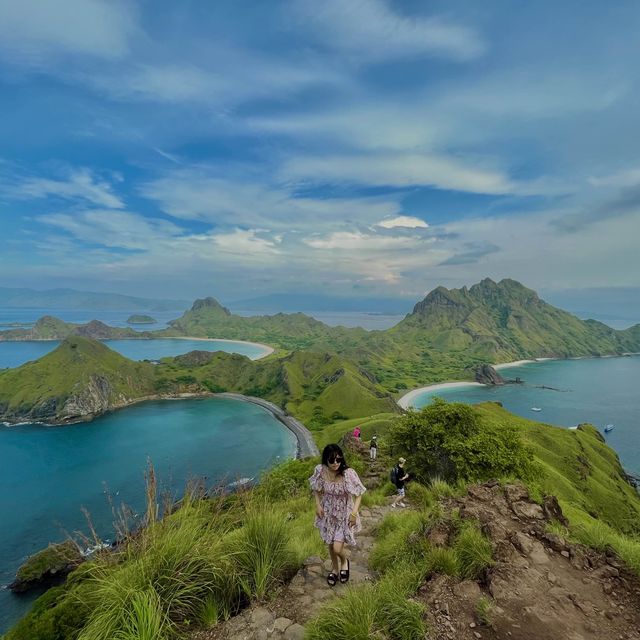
x=400 y=170
x=354 y=241
x=371 y=30
x=624 y=178
x=117 y=229
x=244 y=244
x=408 y=222
x=33 y=30
x=245 y=199
x=81 y=184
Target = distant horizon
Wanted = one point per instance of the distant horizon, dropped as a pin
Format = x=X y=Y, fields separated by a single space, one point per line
x=616 y=307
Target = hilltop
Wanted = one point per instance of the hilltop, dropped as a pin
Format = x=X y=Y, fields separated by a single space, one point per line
x=78 y=380
x=82 y=378
x=447 y=335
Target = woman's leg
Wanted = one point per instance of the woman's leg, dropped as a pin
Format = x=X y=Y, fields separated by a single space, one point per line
x=341 y=553
x=335 y=560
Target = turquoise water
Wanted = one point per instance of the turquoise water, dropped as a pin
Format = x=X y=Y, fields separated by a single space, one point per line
x=13 y=354
x=598 y=390
x=48 y=473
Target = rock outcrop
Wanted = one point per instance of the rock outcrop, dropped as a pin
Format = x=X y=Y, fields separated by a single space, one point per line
x=486 y=374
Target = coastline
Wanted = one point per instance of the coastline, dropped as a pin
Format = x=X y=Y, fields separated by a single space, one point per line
x=267 y=349
x=405 y=401
x=305 y=446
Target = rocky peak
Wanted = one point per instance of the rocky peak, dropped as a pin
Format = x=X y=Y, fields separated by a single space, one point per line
x=209 y=303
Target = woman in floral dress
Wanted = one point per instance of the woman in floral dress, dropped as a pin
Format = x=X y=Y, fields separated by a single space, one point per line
x=338 y=491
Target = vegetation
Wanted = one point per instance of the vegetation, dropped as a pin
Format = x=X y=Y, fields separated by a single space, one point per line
x=140 y=319
x=83 y=377
x=448 y=334
x=449 y=440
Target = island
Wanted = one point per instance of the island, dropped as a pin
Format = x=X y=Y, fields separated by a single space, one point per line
x=140 y=319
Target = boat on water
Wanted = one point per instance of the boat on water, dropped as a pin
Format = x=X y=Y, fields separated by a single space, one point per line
x=536 y=408
x=608 y=428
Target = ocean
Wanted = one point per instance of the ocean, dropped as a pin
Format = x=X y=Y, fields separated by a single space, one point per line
x=600 y=391
x=49 y=473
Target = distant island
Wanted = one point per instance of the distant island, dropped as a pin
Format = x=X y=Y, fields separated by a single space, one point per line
x=446 y=337
x=140 y=319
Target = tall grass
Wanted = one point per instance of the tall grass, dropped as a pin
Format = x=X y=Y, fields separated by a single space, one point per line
x=261 y=551
x=473 y=551
x=381 y=610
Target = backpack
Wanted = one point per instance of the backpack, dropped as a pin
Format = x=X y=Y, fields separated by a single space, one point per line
x=393 y=475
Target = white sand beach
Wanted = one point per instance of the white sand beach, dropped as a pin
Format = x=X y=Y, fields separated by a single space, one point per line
x=407 y=398
x=267 y=349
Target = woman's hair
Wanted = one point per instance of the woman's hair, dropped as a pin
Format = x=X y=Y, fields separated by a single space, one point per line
x=331 y=452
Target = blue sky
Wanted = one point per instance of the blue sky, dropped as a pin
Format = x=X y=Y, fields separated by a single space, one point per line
x=350 y=147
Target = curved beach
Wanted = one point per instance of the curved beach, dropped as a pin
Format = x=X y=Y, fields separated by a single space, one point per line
x=267 y=349
x=407 y=398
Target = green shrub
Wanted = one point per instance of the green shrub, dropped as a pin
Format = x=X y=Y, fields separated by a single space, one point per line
x=442 y=560
x=450 y=441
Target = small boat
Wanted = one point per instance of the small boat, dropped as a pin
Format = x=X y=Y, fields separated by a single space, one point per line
x=608 y=428
x=536 y=408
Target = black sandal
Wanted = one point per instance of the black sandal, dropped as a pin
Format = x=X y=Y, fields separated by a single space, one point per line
x=332 y=579
x=344 y=573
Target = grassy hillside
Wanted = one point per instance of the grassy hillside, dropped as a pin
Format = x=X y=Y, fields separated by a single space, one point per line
x=83 y=377
x=209 y=559
x=448 y=334
x=79 y=377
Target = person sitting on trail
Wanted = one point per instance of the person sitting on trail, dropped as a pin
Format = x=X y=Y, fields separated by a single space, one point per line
x=373 y=447
x=398 y=477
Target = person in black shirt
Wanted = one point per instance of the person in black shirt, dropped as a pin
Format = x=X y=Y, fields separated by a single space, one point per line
x=373 y=447
x=401 y=476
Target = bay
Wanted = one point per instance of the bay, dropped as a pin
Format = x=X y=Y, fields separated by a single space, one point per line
x=600 y=391
x=49 y=473
x=13 y=354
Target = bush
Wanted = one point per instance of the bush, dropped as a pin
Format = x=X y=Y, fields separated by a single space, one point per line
x=450 y=441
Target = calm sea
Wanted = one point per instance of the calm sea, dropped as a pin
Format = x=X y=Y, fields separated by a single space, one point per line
x=48 y=473
x=597 y=390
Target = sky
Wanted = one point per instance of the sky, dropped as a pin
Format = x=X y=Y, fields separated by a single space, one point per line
x=353 y=148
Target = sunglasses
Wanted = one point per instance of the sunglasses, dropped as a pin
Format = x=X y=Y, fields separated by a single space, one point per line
x=335 y=459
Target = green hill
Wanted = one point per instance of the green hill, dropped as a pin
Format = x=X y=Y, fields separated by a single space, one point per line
x=506 y=321
x=83 y=378
x=79 y=379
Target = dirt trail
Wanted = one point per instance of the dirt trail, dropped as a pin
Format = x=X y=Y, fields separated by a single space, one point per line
x=308 y=591
x=541 y=587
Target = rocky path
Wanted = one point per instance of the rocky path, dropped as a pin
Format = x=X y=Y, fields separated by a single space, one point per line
x=308 y=591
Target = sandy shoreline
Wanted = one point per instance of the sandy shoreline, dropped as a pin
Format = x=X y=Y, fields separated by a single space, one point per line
x=267 y=349
x=405 y=401
x=407 y=398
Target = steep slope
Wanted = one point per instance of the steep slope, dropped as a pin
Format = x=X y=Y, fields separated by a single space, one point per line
x=81 y=378
x=506 y=321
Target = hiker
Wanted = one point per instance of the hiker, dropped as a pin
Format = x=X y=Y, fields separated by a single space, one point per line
x=356 y=432
x=399 y=476
x=373 y=448
x=338 y=492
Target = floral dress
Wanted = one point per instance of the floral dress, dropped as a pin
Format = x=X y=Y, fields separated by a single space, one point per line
x=337 y=504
